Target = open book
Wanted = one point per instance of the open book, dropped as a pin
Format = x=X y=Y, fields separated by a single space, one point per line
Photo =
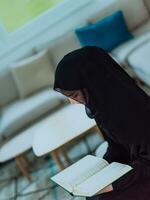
x=89 y=175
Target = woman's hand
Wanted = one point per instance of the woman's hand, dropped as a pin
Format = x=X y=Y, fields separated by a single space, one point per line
x=108 y=188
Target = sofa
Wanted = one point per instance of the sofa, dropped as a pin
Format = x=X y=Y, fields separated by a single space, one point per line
x=26 y=94
x=25 y=97
x=137 y=16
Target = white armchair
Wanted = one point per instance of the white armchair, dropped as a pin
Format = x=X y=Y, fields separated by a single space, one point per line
x=101 y=150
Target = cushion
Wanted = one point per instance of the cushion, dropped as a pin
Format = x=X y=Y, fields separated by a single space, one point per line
x=145 y=88
x=107 y=33
x=22 y=113
x=57 y=50
x=135 y=11
x=147 y=3
x=144 y=28
x=142 y=76
x=139 y=60
x=33 y=73
x=141 y=34
x=56 y=46
x=9 y=93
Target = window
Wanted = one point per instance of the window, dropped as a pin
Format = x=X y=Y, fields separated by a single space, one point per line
x=24 y=31
x=3 y=35
x=14 y=14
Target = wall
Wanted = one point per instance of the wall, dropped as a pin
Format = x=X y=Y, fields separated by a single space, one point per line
x=45 y=28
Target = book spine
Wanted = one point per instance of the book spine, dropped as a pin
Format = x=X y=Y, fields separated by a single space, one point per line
x=71 y=194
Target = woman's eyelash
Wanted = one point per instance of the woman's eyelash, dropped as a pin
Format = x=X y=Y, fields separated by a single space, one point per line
x=70 y=95
x=75 y=95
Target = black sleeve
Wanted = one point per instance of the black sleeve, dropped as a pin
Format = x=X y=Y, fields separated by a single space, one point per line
x=140 y=171
x=116 y=152
x=141 y=165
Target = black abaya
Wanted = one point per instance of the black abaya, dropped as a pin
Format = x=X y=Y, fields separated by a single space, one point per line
x=135 y=185
x=121 y=110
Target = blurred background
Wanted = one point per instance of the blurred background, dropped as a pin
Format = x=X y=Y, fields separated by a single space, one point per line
x=34 y=119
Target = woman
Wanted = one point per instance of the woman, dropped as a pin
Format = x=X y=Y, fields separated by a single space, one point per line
x=121 y=110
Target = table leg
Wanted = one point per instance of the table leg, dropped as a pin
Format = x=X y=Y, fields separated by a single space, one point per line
x=20 y=161
x=96 y=129
x=55 y=156
x=64 y=153
x=24 y=161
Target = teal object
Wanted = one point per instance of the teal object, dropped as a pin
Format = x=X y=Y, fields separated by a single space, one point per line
x=52 y=173
x=106 y=33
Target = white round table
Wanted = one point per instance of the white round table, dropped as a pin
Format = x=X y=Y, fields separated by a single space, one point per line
x=16 y=147
x=61 y=128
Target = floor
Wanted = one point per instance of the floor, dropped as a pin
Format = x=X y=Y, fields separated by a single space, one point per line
x=15 y=187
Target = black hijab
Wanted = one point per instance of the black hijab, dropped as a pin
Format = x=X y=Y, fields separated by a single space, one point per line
x=115 y=101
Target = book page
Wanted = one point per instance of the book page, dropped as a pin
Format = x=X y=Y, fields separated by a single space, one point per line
x=80 y=171
x=66 y=186
x=90 y=172
x=101 y=179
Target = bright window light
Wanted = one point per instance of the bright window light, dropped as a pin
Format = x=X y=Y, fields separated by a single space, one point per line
x=14 y=14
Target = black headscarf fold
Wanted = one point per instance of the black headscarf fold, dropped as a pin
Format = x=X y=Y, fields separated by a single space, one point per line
x=114 y=98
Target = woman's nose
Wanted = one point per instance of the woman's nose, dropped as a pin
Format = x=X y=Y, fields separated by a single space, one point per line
x=73 y=101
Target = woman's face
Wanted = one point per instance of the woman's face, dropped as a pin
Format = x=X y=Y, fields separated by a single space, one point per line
x=76 y=96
